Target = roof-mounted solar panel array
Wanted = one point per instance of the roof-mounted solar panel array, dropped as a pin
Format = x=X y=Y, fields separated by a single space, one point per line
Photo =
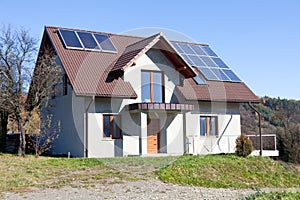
x=87 y=41
x=206 y=60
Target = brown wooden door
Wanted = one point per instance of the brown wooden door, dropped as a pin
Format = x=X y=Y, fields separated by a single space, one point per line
x=153 y=135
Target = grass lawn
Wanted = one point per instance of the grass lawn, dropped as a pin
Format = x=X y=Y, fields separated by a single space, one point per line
x=224 y=171
x=22 y=174
x=19 y=174
x=274 y=196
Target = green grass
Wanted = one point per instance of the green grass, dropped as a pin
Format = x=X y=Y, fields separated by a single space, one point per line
x=274 y=196
x=224 y=171
x=19 y=174
x=140 y=167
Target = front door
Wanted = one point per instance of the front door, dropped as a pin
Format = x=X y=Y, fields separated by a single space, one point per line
x=153 y=128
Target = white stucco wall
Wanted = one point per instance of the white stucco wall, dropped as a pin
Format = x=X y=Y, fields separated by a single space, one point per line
x=175 y=136
x=69 y=111
x=228 y=127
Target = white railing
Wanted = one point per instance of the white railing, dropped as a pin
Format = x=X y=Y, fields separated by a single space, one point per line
x=269 y=141
x=226 y=144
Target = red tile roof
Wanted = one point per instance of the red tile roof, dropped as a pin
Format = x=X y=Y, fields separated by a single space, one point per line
x=217 y=91
x=89 y=71
x=133 y=51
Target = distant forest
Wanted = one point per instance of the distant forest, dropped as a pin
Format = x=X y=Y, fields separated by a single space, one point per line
x=280 y=117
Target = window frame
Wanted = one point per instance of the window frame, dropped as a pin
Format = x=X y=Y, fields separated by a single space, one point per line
x=112 y=124
x=152 y=92
x=208 y=125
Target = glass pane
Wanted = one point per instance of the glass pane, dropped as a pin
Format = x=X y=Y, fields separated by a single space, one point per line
x=202 y=126
x=106 y=125
x=198 y=50
x=105 y=42
x=209 y=51
x=199 y=80
x=232 y=75
x=197 y=60
x=186 y=48
x=70 y=38
x=207 y=73
x=220 y=74
x=212 y=126
x=146 y=87
x=157 y=86
x=208 y=61
x=220 y=63
x=116 y=124
x=177 y=47
x=88 y=40
x=188 y=60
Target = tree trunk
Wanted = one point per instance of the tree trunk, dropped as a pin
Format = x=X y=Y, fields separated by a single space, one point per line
x=3 y=130
x=22 y=140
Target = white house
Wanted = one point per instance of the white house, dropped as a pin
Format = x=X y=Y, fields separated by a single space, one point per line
x=125 y=95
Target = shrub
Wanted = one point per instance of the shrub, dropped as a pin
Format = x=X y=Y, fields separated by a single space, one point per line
x=244 y=146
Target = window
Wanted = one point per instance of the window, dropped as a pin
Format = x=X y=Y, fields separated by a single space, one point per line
x=65 y=84
x=111 y=126
x=152 y=87
x=208 y=126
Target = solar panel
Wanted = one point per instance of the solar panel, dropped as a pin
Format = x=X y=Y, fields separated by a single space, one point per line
x=88 y=40
x=105 y=42
x=208 y=61
x=198 y=50
x=70 y=39
x=199 y=80
x=219 y=73
x=188 y=60
x=177 y=47
x=231 y=75
x=210 y=65
x=197 y=60
x=186 y=48
x=220 y=63
x=209 y=51
x=208 y=73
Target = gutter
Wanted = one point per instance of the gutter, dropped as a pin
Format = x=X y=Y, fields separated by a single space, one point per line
x=86 y=126
x=259 y=127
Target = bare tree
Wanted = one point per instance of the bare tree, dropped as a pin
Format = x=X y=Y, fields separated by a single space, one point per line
x=45 y=132
x=17 y=50
x=17 y=56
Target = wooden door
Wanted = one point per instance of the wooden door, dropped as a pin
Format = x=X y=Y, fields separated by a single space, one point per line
x=153 y=128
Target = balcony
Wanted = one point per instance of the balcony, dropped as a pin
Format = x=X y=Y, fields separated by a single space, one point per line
x=269 y=144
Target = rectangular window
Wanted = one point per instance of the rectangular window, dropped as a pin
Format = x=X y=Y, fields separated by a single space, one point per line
x=152 y=87
x=208 y=126
x=111 y=126
x=65 y=84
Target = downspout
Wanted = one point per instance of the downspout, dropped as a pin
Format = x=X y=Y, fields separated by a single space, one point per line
x=86 y=126
x=259 y=127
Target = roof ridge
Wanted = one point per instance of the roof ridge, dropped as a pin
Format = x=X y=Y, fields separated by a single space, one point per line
x=92 y=31
x=185 y=42
x=122 y=35
x=147 y=38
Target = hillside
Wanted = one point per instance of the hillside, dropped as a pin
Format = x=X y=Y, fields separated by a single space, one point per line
x=280 y=117
x=230 y=171
x=271 y=109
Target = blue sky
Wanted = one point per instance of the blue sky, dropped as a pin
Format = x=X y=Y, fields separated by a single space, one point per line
x=259 y=40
